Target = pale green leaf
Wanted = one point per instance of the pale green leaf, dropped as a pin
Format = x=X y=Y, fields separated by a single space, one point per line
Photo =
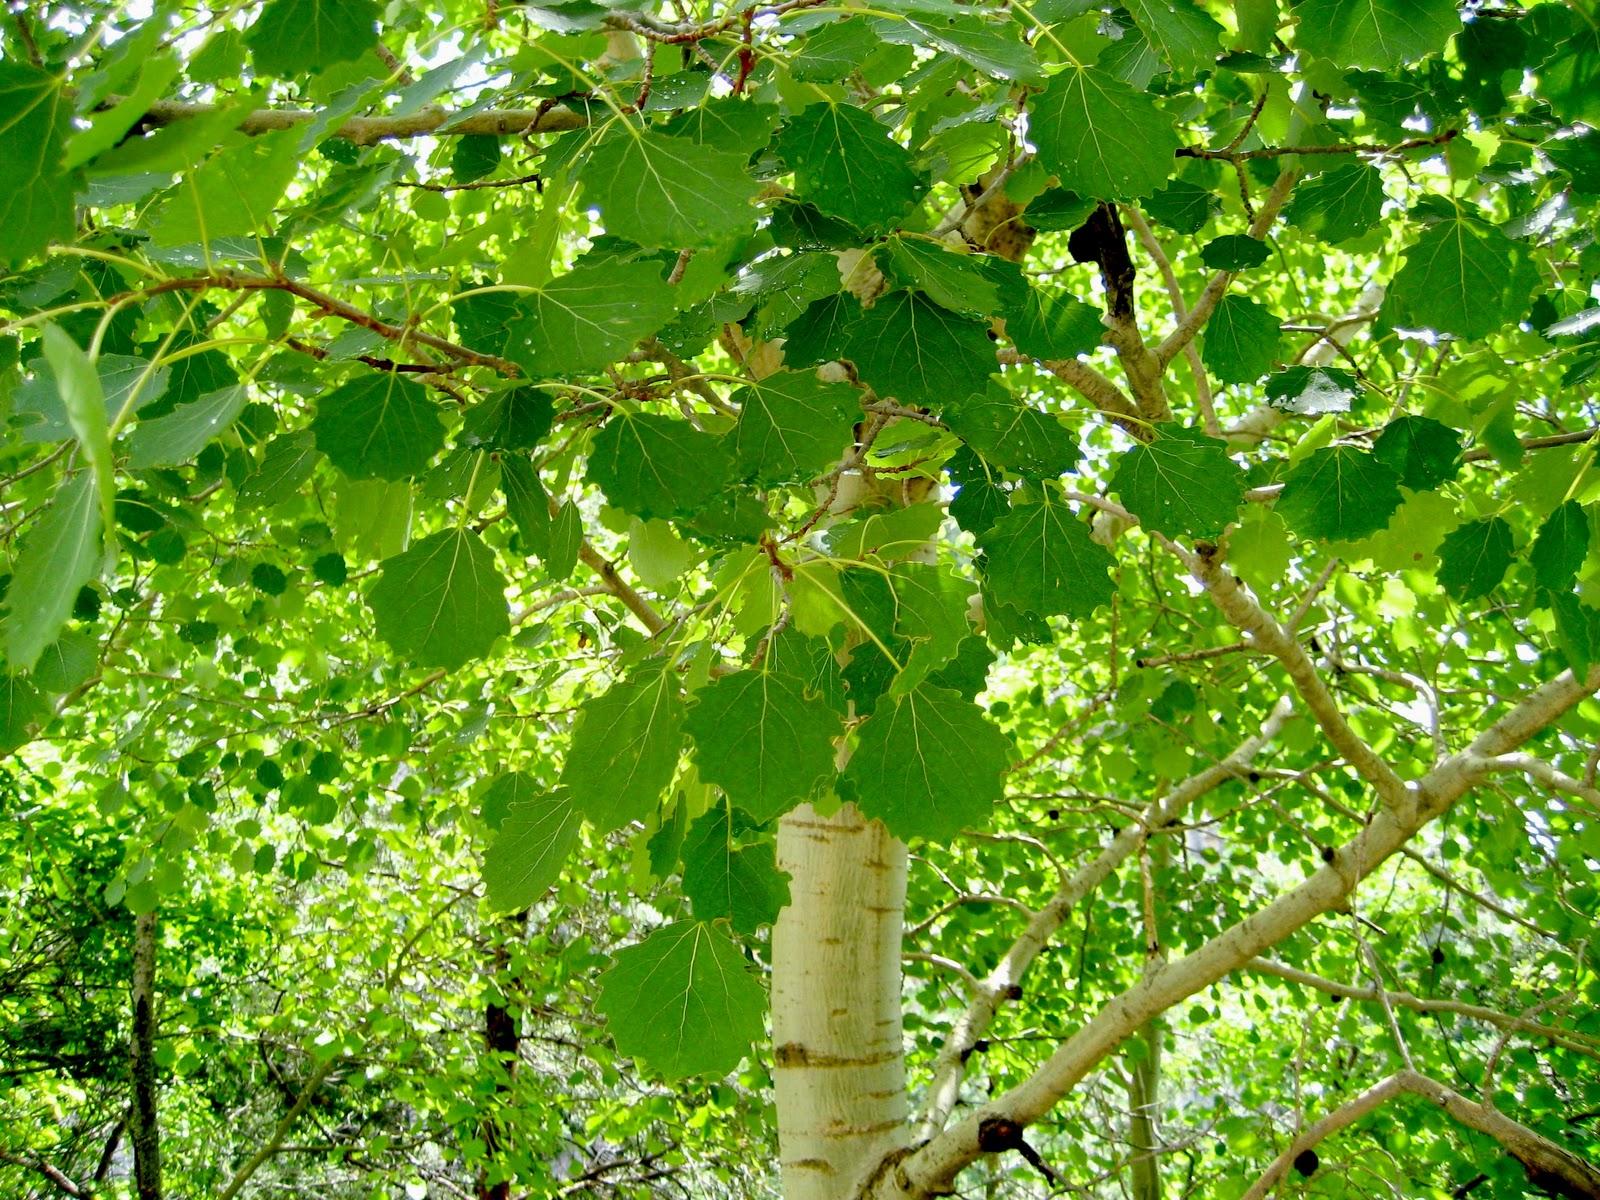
x=1182 y=33
x=175 y=437
x=84 y=400
x=60 y=554
x=291 y=37
x=993 y=46
x=1376 y=34
x=683 y=1001
x=442 y=602
x=36 y=202
x=658 y=190
x=588 y=317
x=536 y=835
x=928 y=764
x=1101 y=137
x=625 y=748
x=233 y=192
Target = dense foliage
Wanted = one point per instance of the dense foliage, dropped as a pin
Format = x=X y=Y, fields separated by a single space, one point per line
x=474 y=470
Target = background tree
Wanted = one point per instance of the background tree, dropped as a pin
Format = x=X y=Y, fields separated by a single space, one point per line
x=812 y=599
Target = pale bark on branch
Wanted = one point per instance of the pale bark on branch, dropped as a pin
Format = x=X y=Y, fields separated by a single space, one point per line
x=364 y=131
x=931 y=1168
x=1550 y=1167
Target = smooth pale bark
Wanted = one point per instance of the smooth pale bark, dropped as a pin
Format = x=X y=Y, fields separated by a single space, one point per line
x=839 y=1054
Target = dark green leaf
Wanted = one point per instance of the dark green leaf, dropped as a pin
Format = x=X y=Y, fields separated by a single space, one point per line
x=1042 y=560
x=1013 y=435
x=1376 y=34
x=1339 y=493
x=1474 y=558
x=380 y=426
x=846 y=164
x=1242 y=340
x=536 y=835
x=60 y=554
x=174 y=439
x=928 y=764
x=1423 y=452
x=1561 y=546
x=515 y=419
x=588 y=317
x=655 y=466
x=993 y=46
x=36 y=202
x=1338 y=205
x=475 y=157
x=1462 y=276
x=792 y=426
x=1182 y=207
x=957 y=281
x=1179 y=31
x=1233 y=252
x=294 y=36
x=658 y=190
x=739 y=884
x=1101 y=137
x=527 y=503
x=1181 y=483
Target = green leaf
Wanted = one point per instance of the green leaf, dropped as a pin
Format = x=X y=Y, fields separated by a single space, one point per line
x=1045 y=324
x=1313 y=391
x=85 y=402
x=536 y=835
x=125 y=381
x=380 y=426
x=1376 y=34
x=475 y=157
x=589 y=317
x=994 y=47
x=1179 y=31
x=1462 y=276
x=60 y=554
x=1474 y=558
x=527 y=503
x=515 y=419
x=625 y=748
x=291 y=37
x=23 y=712
x=928 y=764
x=1339 y=493
x=1042 y=560
x=792 y=426
x=655 y=466
x=847 y=165
x=66 y=662
x=979 y=500
x=761 y=740
x=904 y=347
x=657 y=190
x=1242 y=340
x=442 y=602
x=36 y=203
x=683 y=1001
x=1012 y=435
x=1561 y=546
x=1181 y=483
x=566 y=540
x=1182 y=207
x=287 y=462
x=956 y=281
x=1233 y=252
x=1338 y=205
x=233 y=193
x=1101 y=137
x=176 y=437
x=1577 y=631
x=723 y=882
x=1423 y=452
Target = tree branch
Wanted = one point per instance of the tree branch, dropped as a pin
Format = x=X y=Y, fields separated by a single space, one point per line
x=364 y=131
x=1217 y=285
x=1549 y=1166
x=1180 y=309
x=61 y=1180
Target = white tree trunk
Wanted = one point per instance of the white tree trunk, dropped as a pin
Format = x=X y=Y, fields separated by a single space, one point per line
x=839 y=1054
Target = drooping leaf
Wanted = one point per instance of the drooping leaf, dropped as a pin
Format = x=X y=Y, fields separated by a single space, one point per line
x=739 y=884
x=658 y=190
x=792 y=426
x=177 y=436
x=847 y=165
x=683 y=1001
x=36 y=202
x=656 y=466
x=84 y=400
x=1338 y=205
x=1462 y=276
x=928 y=763
x=625 y=748
x=1376 y=34
x=59 y=555
x=1560 y=547
x=1577 y=631
x=1100 y=136
x=442 y=602
x=126 y=381
x=1179 y=31
x=762 y=740
x=527 y=503
x=1242 y=340
x=1181 y=483
x=380 y=426
x=588 y=317
x=515 y=419
x=293 y=36
x=1340 y=493
x=1422 y=451
x=23 y=712
x=1041 y=559
x=536 y=834
x=1313 y=391
x=1474 y=558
